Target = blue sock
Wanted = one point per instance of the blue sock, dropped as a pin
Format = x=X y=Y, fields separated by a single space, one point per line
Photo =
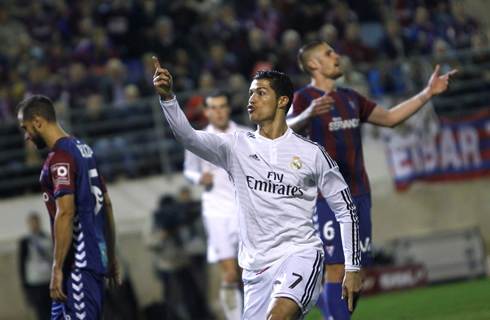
x=321 y=303
x=339 y=309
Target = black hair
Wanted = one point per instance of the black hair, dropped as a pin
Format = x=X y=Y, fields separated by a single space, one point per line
x=280 y=82
x=217 y=93
x=302 y=54
x=37 y=105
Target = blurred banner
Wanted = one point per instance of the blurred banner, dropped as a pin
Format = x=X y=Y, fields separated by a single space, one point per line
x=432 y=148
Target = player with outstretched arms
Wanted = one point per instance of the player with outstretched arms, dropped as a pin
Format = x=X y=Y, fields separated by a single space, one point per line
x=219 y=208
x=276 y=175
x=333 y=116
x=80 y=210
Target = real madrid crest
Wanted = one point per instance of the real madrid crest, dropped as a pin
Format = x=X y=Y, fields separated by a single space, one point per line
x=296 y=164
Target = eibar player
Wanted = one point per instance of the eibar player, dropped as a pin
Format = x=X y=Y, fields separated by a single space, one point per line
x=333 y=117
x=80 y=210
x=219 y=209
x=276 y=174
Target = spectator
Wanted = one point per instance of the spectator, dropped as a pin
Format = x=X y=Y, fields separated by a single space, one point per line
x=354 y=47
x=114 y=17
x=462 y=26
x=395 y=44
x=352 y=78
x=220 y=63
x=269 y=20
x=36 y=258
x=257 y=51
x=42 y=82
x=10 y=29
x=288 y=51
x=328 y=34
x=423 y=31
x=79 y=86
x=112 y=84
x=340 y=16
x=185 y=71
x=95 y=51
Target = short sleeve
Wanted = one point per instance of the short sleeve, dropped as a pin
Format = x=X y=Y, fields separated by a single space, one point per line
x=62 y=172
x=367 y=106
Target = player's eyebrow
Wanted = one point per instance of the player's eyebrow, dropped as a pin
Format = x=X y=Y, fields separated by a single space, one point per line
x=258 y=88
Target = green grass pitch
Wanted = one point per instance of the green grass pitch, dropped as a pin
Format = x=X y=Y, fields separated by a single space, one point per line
x=465 y=300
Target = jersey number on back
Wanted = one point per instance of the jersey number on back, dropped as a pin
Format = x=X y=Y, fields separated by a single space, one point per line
x=99 y=198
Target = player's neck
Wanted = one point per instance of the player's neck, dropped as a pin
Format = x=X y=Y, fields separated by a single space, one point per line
x=273 y=130
x=323 y=83
x=53 y=134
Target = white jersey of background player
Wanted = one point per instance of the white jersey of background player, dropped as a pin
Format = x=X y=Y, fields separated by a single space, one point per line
x=219 y=207
x=276 y=174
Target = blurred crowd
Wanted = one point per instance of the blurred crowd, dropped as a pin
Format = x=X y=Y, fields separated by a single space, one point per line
x=76 y=52
x=93 y=58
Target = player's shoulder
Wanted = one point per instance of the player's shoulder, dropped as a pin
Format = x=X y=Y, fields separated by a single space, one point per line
x=304 y=142
x=301 y=92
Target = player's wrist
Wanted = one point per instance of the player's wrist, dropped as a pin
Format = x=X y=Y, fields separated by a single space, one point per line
x=425 y=95
x=167 y=97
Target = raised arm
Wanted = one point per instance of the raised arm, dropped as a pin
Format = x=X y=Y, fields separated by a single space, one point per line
x=209 y=146
x=403 y=111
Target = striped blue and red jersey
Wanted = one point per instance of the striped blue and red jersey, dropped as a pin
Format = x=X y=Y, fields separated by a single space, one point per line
x=71 y=168
x=339 y=131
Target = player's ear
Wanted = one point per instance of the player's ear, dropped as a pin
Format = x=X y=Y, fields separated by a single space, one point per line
x=312 y=65
x=282 y=102
x=37 y=121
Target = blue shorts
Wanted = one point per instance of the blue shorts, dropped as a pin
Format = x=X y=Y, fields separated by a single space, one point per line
x=85 y=291
x=329 y=230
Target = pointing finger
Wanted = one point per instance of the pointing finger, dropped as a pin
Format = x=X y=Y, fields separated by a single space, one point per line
x=351 y=301
x=156 y=62
x=453 y=72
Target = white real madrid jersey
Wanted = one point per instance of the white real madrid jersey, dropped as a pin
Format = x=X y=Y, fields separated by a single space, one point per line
x=276 y=184
x=219 y=200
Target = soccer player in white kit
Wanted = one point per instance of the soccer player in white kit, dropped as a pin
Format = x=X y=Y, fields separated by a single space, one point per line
x=276 y=175
x=219 y=210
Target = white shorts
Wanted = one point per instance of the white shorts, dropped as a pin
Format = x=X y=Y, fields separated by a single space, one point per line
x=297 y=277
x=222 y=238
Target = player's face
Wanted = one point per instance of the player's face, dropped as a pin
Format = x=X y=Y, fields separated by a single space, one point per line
x=31 y=133
x=262 y=104
x=327 y=61
x=218 y=112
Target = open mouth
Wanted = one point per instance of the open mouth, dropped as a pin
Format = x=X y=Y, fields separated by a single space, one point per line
x=250 y=109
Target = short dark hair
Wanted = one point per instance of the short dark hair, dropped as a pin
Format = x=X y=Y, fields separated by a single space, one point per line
x=37 y=105
x=280 y=82
x=303 y=54
x=216 y=94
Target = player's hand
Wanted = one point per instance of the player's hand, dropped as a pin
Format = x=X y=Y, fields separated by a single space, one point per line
x=162 y=80
x=55 y=287
x=439 y=84
x=113 y=277
x=350 y=287
x=320 y=106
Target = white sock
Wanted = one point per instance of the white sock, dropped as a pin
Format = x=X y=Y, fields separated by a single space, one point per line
x=232 y=301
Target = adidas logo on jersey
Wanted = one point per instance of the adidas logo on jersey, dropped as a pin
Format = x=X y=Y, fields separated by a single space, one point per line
x=254 y=156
